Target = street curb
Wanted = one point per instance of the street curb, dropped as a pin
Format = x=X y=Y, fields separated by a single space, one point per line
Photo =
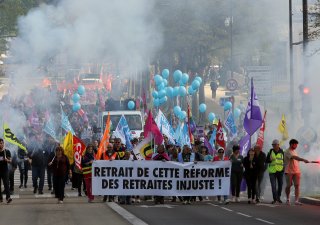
x=309 y=200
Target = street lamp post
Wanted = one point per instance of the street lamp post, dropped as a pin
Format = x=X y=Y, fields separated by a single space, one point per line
x=228 y=23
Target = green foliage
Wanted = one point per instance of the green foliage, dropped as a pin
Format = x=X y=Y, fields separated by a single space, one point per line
x=10 y=11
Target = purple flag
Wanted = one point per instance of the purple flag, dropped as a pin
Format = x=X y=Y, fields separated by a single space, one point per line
x=253 y=118
x=244 y=144
x=209 y=146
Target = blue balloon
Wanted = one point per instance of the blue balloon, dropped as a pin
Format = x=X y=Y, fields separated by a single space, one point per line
x=182 y=91
x=165 y=73
x=155 y=94
x=185 y=78
x=177 y=75
x=165 y=82
x=211 y=117
x=163 y=100
x=156 y=102
x=76 y=97
x=236 y=113
x=227 y=106
x=175 y=91
x=176 y=110
x=190 y=90
x=202 y=107
x=162 y=93
x=76 y=107
x=157 y=79
x=198 y=79
x=195 y=84
x=160 y=86
x=169 y=91
x=182 y=115
x=131 y=105
x=81 y=90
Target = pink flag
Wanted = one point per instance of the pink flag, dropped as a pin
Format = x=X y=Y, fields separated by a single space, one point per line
x=151 y=127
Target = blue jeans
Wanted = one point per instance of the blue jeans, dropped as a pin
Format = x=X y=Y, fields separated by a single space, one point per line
x=276 y=178
x=38 y=172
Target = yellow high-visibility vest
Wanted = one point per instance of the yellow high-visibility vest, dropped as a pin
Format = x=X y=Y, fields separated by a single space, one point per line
x=276 y=165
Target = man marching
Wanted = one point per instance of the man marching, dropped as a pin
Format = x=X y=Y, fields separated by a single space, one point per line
x=5 y=158
x=292 y=170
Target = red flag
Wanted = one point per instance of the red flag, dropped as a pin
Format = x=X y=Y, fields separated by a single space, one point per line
x=151 y=127
x=260 y=139
x=220 y=136
x=78 y=148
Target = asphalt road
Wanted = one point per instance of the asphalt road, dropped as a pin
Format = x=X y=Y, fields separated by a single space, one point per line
x=207 y=213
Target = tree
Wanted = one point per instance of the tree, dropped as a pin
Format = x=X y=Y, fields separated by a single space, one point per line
x=10 y=11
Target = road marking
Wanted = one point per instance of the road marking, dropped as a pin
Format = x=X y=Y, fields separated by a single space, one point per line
x=157 y=206
x=265 y=221
x=268 y=205
x=212 y=204
x=132 y=219
x=242 y=214
x=230 y=210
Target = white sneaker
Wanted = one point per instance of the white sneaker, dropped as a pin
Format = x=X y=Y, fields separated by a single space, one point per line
x=220 y=202
x=138 y=200
x=297 y=203
x=237 y=199
x=226 y=202
x=233 y=199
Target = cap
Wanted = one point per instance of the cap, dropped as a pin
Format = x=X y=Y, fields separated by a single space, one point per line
x=275 y=142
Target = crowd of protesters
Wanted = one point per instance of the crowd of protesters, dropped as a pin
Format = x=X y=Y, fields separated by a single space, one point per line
x=45 y=155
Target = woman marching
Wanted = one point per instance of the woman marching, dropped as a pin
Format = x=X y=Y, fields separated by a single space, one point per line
x=87 y=161
x=250 y=174
x=60 y=168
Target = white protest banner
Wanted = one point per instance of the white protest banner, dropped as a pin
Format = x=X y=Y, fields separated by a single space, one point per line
x=126 y=177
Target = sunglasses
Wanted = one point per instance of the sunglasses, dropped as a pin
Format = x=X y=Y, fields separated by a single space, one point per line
x=220 y=152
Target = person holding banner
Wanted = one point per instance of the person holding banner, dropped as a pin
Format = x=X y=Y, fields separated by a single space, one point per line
x=160 y=155
x=5 y=158
x=87 y=161
x=236 y=172
x=186 y=156
x=221 y=157
x=109 y=154
x=60 y=168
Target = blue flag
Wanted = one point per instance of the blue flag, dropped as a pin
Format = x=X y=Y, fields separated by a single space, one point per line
x=253 y=118
x=50 y=128
x=213 y=137
x=165 y=127
x=65 y=124
x=181 y=135
x=123 y=132
x=230 y=125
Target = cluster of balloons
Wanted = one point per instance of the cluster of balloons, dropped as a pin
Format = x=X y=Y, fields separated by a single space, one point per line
x=178 y=112
x=228 y=106
x=76 y=98
x=163 y=91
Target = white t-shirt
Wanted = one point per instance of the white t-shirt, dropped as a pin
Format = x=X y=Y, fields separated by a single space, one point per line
x=291 y=165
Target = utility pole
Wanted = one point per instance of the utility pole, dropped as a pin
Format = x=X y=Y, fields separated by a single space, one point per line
x=291 y=64
x=306 y=100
